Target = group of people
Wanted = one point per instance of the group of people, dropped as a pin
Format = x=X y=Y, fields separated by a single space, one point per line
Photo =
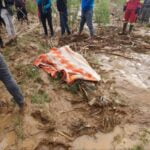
x=131 y=9
x=145 y=14
x=6 y=14
x=45 y=15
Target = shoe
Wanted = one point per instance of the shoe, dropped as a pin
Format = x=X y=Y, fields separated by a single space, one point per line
x=22 y=108
x=122 y=33
x=124 y=29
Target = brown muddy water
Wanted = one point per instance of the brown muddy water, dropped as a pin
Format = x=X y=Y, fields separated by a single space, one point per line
x=132 y=83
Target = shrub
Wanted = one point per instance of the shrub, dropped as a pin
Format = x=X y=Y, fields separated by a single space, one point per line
x=102 y=11
x=31 y=6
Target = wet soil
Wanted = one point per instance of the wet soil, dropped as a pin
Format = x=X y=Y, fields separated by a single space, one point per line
x=111 y=114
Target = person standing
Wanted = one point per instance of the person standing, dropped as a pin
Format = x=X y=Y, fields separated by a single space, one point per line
x=1 y=24
x=145 y=15
x=45 y=13
x=22 y=13
x=6 y=14
x=87 y=16
x=63 y=13
x=1 y=43
x=131 y=10
x=10 y=83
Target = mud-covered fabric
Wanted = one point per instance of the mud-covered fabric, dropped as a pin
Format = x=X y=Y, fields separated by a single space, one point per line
x=71 y=64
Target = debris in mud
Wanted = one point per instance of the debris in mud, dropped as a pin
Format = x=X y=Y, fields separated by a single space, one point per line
x=46 y=145
x=5 y=107
x=79 y=127
x=2 y=104
x=43 y=117
x=100 y=101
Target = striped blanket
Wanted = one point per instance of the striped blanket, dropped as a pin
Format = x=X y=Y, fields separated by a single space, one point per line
x=71 y=64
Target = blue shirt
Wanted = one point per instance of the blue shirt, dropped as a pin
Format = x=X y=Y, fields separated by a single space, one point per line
x=87 y=5
x=44 y=5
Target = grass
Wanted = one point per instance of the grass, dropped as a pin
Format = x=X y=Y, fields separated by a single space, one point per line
x=118 y=139
x=73 y=7
x=102 y=12
x=137 y=147
x=144 y=136
x=32 y=72
x=40 y=97
x=31 y=7
x=18 y=124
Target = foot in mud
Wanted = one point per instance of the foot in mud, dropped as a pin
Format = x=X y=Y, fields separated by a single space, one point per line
x=10 y=41
x=22 y=108
x=122 y=33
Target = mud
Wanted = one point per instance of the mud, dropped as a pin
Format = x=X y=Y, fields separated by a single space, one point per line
x=111 y=114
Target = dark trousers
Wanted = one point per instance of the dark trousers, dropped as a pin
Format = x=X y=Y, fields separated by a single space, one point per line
x=22 y=13
x=87 y=18
x=1 y=22
x=64 y=22
x=47 y=17
x=1 y=43
x=10 y=83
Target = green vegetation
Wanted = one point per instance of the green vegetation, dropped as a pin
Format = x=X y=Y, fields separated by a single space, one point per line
x=40 y=97
x=144 y=137
x=32 y=72
x=31 y=6
x=120 y=2
x=74 y=7
x=137 y=147
x=118 y=139
x=102 y=11
x=18 y=124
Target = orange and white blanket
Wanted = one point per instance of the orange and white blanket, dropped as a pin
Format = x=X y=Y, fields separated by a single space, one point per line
x=71 y=64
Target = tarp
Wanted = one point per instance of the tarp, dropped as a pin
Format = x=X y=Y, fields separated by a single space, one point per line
x=71 y=64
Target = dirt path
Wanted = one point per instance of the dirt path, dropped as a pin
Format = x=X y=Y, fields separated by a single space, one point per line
x=60 y=117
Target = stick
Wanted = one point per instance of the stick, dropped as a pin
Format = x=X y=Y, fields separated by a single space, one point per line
x=65 y=135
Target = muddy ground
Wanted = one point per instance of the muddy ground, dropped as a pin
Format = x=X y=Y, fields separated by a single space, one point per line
x=113 y=114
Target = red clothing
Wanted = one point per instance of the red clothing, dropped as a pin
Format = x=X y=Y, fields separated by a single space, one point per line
x=131 y=10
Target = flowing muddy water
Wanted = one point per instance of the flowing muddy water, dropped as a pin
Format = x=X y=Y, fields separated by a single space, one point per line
x=132 y=83
x=132 y=77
